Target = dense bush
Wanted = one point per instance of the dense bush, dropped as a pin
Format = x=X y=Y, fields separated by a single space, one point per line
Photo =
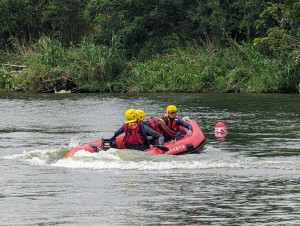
x=161 y=45
x=85 y=67
x=27 y=20
x=238 y=69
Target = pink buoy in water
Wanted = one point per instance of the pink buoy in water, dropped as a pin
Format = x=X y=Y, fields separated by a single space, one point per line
x=220 y=131
x=220 y=128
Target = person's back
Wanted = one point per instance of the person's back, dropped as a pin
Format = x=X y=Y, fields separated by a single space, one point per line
x=135 y=135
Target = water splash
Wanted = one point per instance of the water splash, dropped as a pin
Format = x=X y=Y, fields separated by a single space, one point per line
x=74 y=142
x=211 y=158
x=39 y=157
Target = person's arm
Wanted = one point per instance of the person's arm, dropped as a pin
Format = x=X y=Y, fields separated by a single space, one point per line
x=189 y=132
x=184 y=124
x=143 y=131
x=167 y=131
x=120 y=131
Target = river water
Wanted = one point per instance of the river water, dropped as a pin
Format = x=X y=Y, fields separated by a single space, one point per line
x=250 y=177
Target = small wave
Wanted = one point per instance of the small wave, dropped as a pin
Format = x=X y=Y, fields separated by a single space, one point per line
x=135 y=160
x=40 y=157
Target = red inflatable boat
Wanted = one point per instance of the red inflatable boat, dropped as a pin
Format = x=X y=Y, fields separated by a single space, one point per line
x=186 y=145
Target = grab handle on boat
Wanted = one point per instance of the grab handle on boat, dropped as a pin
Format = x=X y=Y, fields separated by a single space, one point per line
x=161 y=147
x=95 y=147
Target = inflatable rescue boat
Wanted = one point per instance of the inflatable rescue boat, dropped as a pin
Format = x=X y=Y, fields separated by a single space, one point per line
x=186 y=145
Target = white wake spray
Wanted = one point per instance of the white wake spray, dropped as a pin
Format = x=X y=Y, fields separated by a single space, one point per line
x=211 y=158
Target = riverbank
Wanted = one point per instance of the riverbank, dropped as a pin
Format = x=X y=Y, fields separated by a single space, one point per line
x=47 y=66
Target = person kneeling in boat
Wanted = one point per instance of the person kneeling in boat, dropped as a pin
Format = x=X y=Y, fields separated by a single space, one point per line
x=173 y=122
x=160 y=128
x=158 y=137
x=135 y=132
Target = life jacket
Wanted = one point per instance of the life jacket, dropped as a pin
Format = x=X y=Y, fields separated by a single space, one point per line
x=155 y=123
x=159 y=125
x=133 y=133
x=172 y=126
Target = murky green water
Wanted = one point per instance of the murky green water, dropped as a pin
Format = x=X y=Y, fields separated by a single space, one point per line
x=250 y=177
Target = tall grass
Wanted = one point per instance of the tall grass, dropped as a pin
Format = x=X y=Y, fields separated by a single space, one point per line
x=239 y=68
x=85 y=67
x=198 y=68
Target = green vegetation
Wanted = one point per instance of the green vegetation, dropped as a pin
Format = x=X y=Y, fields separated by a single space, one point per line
x=150 y=46
x=244 y=71
x=51 y=66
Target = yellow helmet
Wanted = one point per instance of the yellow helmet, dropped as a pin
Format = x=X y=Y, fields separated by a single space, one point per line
x=139 y=114
x=130 y=114
x=171 y=108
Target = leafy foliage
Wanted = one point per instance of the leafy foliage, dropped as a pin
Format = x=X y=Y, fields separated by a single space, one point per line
x=161 y=45
x=83 y=68
x=28 y=20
